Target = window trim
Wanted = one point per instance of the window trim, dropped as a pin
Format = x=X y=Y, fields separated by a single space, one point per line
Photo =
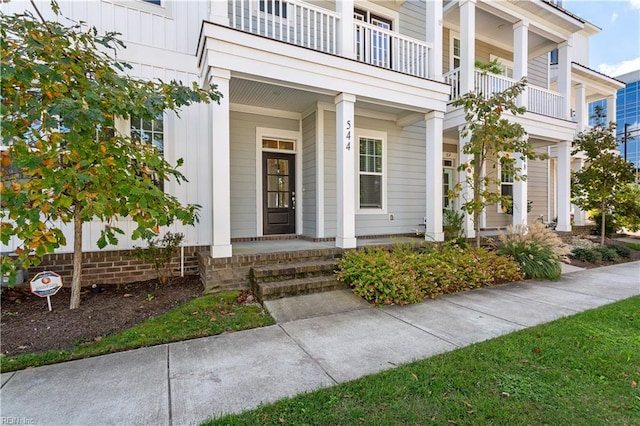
x=506 y=64
x=372 y=134
x=454 y=36
x=511 y=184
x=165 y=9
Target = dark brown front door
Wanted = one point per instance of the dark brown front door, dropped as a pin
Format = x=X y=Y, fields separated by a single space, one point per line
x=278 y=193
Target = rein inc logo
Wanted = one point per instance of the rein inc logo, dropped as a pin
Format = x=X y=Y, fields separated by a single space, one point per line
x=17 y=421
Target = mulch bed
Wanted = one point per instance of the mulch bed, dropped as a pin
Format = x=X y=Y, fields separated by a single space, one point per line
x=28 y=326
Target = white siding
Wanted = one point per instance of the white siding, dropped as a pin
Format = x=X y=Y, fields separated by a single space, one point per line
x=330 y=210
x=309 y=215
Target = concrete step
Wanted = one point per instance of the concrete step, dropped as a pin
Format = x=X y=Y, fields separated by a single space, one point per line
x=282 y=271
x=294 y=287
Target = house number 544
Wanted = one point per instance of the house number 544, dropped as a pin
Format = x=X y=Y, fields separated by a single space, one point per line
x=348 y=135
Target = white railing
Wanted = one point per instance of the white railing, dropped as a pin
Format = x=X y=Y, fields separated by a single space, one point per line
x=387 y=49
x=545 y=102
x=290 y=21
x=540 y=100
x=452 y=78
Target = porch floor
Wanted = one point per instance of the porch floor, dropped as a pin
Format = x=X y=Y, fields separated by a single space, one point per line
x=273 y=246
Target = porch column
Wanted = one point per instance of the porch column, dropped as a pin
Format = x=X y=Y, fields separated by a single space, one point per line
x=466 y=194
x=520 y=194
x=582 y=110
x=219 y=13
x=521 y=56
x=345 y=29
x=611 y=109
x=220 y=168
x=433 y=231
x=345 y=171
x=467 y=45
x=579 y=215
x=433 y=32
x=564 y=186
x=564 y=76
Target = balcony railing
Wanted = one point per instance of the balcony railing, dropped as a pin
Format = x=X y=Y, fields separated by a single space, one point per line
x=303 y=24
x=540 y=100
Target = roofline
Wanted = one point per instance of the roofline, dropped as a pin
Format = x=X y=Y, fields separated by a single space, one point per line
x=613 y=79
x=565 y=11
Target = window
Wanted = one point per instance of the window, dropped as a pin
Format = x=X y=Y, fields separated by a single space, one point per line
x=274 y=7
x=149 y=131
x=506 y=183
x=553 y=57
x=156 y=2
x=455 y=53
x=371 y=169
x=447 y=183
x=379 y=51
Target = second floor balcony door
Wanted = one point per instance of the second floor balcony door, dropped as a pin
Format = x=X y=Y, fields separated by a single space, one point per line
x=373 y=46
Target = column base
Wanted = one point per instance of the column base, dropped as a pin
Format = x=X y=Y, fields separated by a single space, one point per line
x=434 y=236
x=346 y=243
x=221 y=251
x=563 y=228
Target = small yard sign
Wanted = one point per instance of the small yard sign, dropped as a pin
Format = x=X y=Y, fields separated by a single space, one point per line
x=46 y=284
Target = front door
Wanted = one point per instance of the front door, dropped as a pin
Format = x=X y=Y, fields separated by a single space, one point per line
x=278 y=193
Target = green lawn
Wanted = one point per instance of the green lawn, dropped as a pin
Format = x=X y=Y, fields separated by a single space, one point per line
x=203 y=316
x=581 y=370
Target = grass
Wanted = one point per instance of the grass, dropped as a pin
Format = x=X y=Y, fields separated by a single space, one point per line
x=581 y=370
x=634 y=246
x=203 y=316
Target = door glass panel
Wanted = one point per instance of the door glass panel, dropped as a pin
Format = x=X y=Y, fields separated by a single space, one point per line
x=270 y=143
x=278 y=200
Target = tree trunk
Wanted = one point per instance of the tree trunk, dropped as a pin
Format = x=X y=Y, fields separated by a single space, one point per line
x=602 y=225
x=478 y=162
x=77 y=259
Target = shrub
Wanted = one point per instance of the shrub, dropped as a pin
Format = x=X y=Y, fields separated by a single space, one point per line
x=610 y=226
x=622 y=251
x=608 y=254
x=406 y=275
x=452 y=225
x=586 y=255
x=159 y=252
x=537 y=250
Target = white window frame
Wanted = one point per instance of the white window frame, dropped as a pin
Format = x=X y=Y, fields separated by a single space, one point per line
x=371 y=134
x=448 y=156
x=507 y=65
x=499 y=170
x=165 y=8
x=454 y=36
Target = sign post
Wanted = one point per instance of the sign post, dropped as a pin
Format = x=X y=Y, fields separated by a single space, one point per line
x=46 y=284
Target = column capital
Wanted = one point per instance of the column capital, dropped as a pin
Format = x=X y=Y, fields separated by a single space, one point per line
x=219 y=73
x=523 y=23
x=434 y=115
x=345 y=97
x=463 y=2
x=566 y=43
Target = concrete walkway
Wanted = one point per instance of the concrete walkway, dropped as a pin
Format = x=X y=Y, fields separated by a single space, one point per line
x=320 y=340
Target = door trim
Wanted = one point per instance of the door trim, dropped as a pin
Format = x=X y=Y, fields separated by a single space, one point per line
x=265 y=132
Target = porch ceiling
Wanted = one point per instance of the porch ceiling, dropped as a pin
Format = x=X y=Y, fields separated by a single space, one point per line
x=280 y=96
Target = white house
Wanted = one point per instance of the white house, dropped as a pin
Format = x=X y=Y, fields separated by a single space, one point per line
x=335 y=121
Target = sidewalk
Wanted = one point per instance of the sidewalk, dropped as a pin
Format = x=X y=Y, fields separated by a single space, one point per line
x=187 y=382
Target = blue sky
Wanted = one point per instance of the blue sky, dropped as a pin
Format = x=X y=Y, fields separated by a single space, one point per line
x=616 y=49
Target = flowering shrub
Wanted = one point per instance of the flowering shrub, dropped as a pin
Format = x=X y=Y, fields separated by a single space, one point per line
x=405 y=275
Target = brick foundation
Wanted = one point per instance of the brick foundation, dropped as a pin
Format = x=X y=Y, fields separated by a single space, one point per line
x=112 y=267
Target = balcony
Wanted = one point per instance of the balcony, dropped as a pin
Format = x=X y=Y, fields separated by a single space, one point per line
x=306 y=25
x=539 y=100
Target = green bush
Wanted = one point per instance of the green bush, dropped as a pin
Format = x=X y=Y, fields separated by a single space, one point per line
x=586 y=255
x=406 y=275
x=537 y=261
x=622 y=251
x=453 y=225
x=610 y=225
x=608 y=254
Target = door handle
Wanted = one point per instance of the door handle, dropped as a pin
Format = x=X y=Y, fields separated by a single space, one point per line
x=293 y=200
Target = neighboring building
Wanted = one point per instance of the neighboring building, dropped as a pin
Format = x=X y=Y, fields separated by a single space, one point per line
x=335 y=121
x=628 y=113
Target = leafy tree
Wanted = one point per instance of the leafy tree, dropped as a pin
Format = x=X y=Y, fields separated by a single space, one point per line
x=601 y=182
x=492 y=139
x=62 y=89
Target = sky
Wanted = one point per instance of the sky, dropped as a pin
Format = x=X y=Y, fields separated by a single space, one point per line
x=616 y=49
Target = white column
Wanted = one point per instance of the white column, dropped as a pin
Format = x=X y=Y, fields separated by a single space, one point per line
x=345 y=171
x=611 y=109
x=519 y=216
x=319 y=172
x=467 y=45
x=433 y=169
x=345 y=29
x=433 y=31
x=521 y=56
x=564 y=186
x=220 y=168
x=579 y=215
x=582 y=110
x=219 y=12
x=466 y=194
x=564 y=76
